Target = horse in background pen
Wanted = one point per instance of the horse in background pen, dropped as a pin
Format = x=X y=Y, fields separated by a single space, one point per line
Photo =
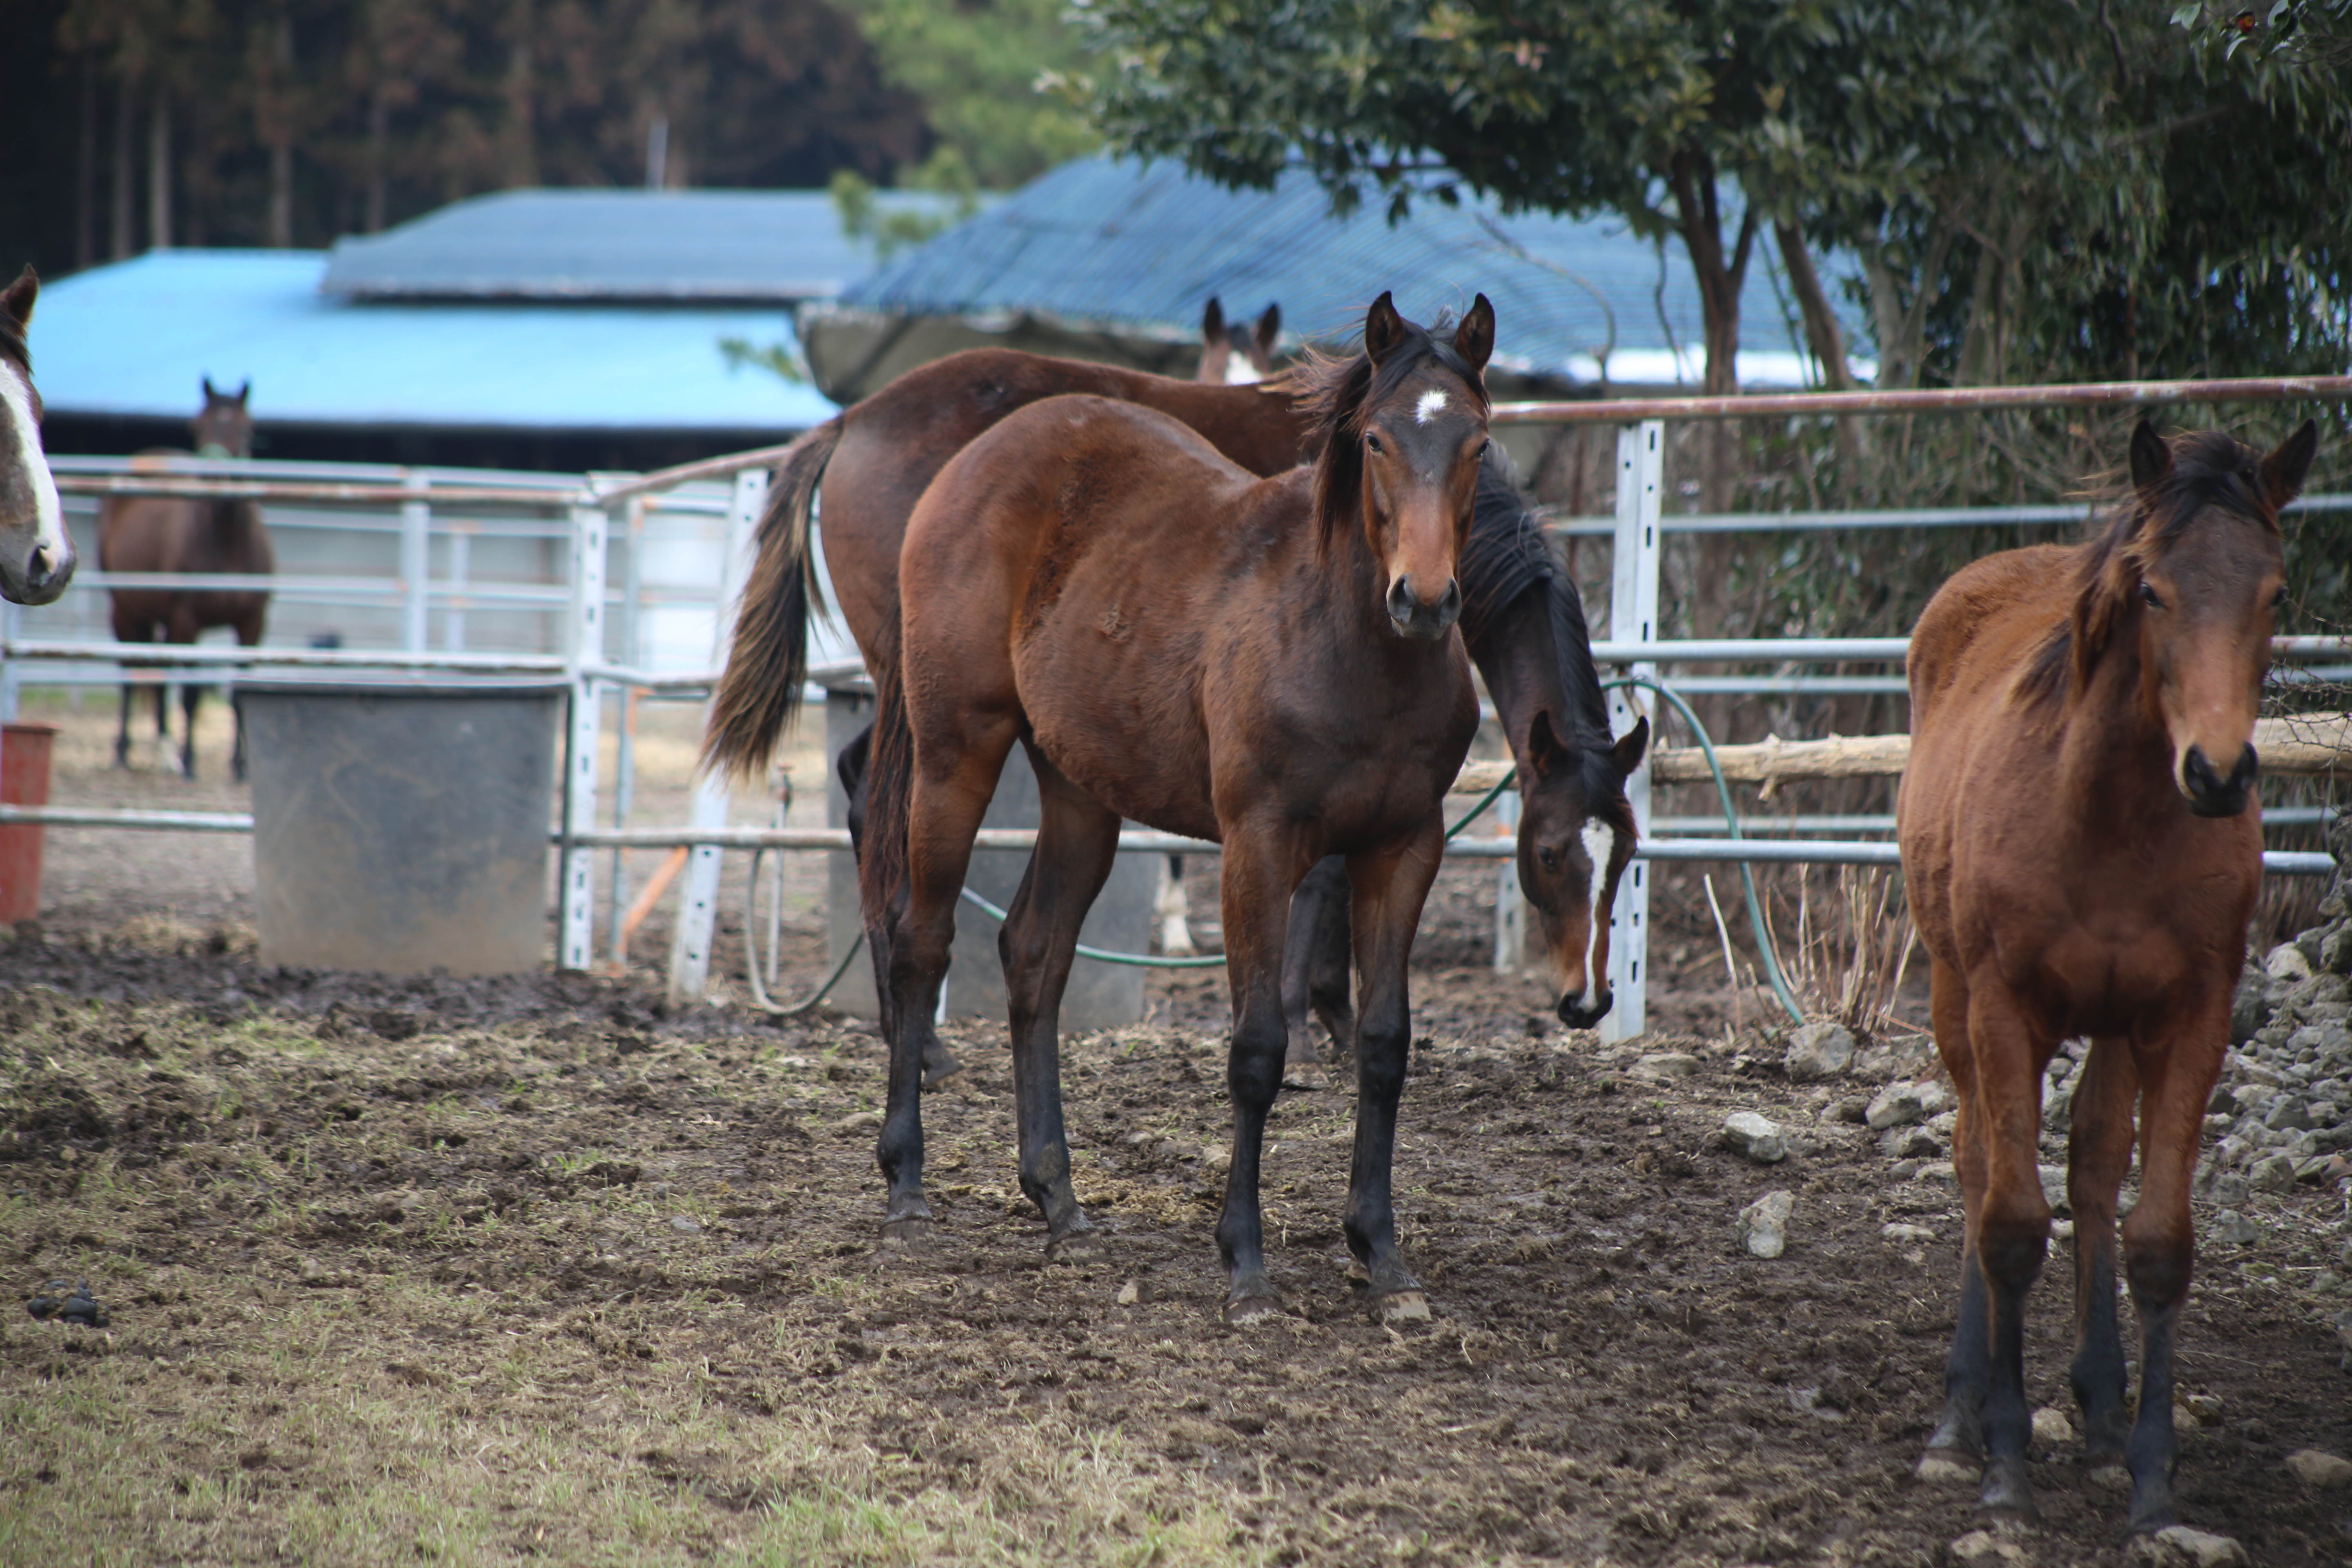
x=36 y=555
x=2082 y=861
x=185 y=535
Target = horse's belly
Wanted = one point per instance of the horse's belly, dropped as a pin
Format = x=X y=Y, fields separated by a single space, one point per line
x=1119 y=720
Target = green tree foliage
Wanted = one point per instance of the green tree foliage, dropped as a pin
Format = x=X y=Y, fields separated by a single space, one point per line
x=289 y=121
x=982 y=68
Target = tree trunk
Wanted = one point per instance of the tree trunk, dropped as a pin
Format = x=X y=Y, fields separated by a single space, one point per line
x=282 y=140
x=86 y=173
x=159 y=173
x=521 y=151
x=1822 y=333
x=125 y=126
x=379 y=134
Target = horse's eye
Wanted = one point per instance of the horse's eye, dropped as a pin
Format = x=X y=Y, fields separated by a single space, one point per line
x=2153 y=600
x=1372 y=444
x=1484 y=446
x=2280 y=597
x=1548 y=858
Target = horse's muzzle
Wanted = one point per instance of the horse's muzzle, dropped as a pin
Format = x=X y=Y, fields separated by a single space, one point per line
x=44 y=577
x=1425 y=622
x=1576 y=1015
x=2210 y=795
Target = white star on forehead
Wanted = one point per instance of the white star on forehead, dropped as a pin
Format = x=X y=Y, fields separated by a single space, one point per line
x=1433 y=402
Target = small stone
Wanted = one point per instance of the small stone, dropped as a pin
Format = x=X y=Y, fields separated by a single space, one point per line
x=1665 y=1067
x=1817 y=1050
x=2229 y=1190
x=2052 y=1427
x=1985 y=1548
x=1764 y=1224
x=2273 y=1173
x=2181 y=1547
x=1129 y=1294
x=2200 y=1409
x=1909 y=1144
x=685 y=1223
x=2054 y=1188
x=858 y=1121
x=2286 y=961
x=1906 y=1235
x=2232 y=1227
x=1938 y=1171
x=1850 y=1109
x=2320 y=1470
x=1900 y=1103
x=1758 y=1138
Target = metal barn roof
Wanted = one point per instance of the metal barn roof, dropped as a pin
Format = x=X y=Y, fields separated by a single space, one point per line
x=135 y=339
x=713 y=246
x=1133 y=249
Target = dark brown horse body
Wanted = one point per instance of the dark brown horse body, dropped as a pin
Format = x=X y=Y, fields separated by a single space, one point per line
x=1270 y=663
x=36 y=556
x=166 y=534
x=2081 y=861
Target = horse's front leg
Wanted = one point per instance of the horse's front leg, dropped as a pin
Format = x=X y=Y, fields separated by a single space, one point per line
x=2098 y=1153
x=1389 y=886
x=2009 y=1228
x=1077 y=842
x=1263 y=862
x=1955 y=1453
x=2175 y=1073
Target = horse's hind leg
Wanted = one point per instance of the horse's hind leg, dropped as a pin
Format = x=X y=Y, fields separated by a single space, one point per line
x=2098 y=1155
x=1389 y=886
x=851 y=767
x=192 y=692
x=2176 y=1076
x=1315 y=969
x=248 y=635
x=1956 y=1450
x=1077 y=841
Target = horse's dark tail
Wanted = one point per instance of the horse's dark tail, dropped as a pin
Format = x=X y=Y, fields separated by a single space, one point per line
x=759 y=694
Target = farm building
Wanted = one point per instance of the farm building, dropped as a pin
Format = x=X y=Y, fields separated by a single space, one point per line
x=1111 y=260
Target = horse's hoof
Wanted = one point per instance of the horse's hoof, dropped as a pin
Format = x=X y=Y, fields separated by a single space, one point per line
x=939 y=1068
x=2007 y=1498
x=1247 y=1311
x=1950 y=1467
x=1082 y=1243
x=1403 y=1307
x=910 y=1233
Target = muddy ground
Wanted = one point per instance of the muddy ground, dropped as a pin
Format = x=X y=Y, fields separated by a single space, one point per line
x=526 y=1268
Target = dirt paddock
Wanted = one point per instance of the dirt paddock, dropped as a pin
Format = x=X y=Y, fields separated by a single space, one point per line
x=526 y=1269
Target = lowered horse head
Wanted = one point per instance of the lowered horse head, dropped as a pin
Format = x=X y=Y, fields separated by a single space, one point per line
x=1233 y=354
x=36 y=556
x=1403 y=426
x=2190 y=579
x=223 y=426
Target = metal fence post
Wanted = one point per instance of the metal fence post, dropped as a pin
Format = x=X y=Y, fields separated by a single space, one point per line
x=625 y=760
x=698 y=903
x=1510 y=909
x=576 y=928
x=416 y=562
x=1634 y=617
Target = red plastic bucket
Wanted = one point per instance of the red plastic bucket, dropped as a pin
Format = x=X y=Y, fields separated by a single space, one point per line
x=24 y=781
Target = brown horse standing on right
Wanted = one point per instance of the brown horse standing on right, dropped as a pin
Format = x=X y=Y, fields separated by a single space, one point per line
x=2081 y=861
x=168 y=533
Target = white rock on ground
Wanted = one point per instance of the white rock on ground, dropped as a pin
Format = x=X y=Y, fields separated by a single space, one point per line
x=2052 y=1427
x=2181 y=1547
x=1760 y=1138
x=1907 y=1235
x=2318 y=1468
x=2286 y=961
x=1899 y=1104
x=1984 y=1548
x=1764 y=1224
x=1817 y=1050
x=1665 y=1067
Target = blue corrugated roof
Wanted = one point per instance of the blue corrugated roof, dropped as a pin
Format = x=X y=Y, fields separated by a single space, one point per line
x=1139 y=246
x=135 y=338
x=615 y=245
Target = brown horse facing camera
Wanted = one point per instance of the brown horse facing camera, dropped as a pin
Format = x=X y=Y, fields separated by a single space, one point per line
x=1269 y=663
x=2081 y=861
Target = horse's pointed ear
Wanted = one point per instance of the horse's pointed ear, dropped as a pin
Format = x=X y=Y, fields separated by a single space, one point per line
x=211 y=396
x=1474 y=340
x=1269 y=329
x=2151 y=459
x=1546 y=753
x=1384 y=328
x=17 y=297
x=1631 y=746
x=1213 y=320
x=2284 y=470
x=244 y=392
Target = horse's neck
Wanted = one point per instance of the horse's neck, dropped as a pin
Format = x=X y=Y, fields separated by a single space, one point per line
x=2109 y=745
x=1518 y=651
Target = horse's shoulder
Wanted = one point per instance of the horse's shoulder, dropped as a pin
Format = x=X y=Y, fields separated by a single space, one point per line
x=1991 y=609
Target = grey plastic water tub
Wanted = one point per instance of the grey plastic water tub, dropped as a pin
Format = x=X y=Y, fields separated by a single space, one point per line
x=403 y=827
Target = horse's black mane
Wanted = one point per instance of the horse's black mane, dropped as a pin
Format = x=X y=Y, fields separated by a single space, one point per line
x=1334 y=392
x=12 y=346
x=2211 y=469
x=1507 y=557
